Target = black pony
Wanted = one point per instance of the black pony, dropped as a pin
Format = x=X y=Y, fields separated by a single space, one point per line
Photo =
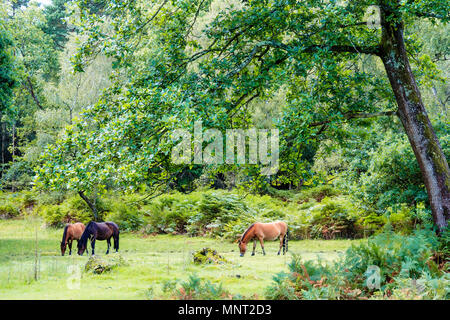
x=99 y=231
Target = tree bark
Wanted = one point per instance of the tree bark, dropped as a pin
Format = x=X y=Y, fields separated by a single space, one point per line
x=412 y=113
x=4 y=142
x=90 y=204
x=1 y=143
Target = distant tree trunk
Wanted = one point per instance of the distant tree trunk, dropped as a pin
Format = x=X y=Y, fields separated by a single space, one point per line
x=91 y=204
x=13 y=151
x=412 y=113
x=1 y=143
x=4 y=142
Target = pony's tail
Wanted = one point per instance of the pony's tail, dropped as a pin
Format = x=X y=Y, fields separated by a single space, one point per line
x=286 y=240
x=65 y=234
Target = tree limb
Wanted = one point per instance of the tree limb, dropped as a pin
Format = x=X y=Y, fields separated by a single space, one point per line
x=33 y=95
x=349 y=116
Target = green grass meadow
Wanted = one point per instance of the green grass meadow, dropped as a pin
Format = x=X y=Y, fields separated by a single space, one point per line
x=151 y=262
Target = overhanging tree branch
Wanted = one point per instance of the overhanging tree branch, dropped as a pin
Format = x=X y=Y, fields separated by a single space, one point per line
x=349 y=116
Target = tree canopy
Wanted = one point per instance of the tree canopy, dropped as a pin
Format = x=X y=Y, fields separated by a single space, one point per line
x=333 y=63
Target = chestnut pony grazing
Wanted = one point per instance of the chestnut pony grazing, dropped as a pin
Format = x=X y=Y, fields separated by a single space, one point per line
x=265 y=231
x=99 y=231
x=71 y=232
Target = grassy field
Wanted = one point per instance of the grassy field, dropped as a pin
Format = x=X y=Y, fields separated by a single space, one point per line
x=152 y=261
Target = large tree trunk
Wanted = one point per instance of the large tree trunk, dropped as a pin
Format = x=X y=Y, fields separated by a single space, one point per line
x=412 y=113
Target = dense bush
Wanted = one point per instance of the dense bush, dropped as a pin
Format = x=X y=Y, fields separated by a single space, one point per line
x=208 y=256
x=333 y=218
x=198 y=289
x=72 y=209
x=8 y=210
x=14 y=204
x=386 y=173
x=217 y=213
x=170 y=213
x=226 y=214
x=409 y=267
x=99 y=265
x=317 y=193
x=125 y=215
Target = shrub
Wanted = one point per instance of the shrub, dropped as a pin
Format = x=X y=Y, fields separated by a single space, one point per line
x=99 y=265
x=8 y=210
x=14 y=204
x=73 y=209
x=217 y=210
x=52 y=215
x=170 y=213
x=282 y=289
x=400 y=218
x=333 y=218
x=407 y=265
x=317 y=193
x=370 y=224
x=392 y=175
x=127 y=216
x=208 y=256
x=197 y=289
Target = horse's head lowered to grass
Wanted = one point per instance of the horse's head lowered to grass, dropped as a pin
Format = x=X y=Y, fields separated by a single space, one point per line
x=264 y=231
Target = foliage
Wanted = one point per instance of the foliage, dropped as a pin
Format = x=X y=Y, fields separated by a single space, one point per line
x=171 y=213
x=231 y=65
x=208 y=256
x=407 y=265
x=125 y=215
x=381 y=171
x=99 y=265
x=57 y=26
x=281 y=289
x=317 y=193
x=14 y=204
x=201 y=64
x=224 y=214
x=8 y=210
x=72 y=209
x=196 y=288
x=333 y=216
x=7 y=76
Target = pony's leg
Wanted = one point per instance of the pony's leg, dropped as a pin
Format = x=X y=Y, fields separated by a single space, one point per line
x=286 y=240
x=93 y=246
x=285 y=243
x=262 y=245
x=109 y=244
x=281 y=244
x=254 y=247
x=70 y=246
x=116 y=243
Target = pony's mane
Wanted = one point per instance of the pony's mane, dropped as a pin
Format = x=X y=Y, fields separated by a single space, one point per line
x=87 y=232
x=245 y=233
x=65 y=233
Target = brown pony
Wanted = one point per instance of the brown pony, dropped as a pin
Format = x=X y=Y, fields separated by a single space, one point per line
x=265 y=231
x=71 y=232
